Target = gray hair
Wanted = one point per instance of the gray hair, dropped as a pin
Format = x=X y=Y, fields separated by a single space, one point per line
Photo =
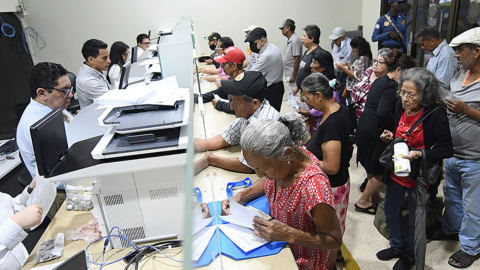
x=383 y=52
x=427 y=84
x=268 y=138
x=317 y=82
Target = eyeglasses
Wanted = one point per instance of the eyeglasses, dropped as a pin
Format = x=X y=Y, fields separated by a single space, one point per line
x=146 y=43
x=379 y=63
x=126 y=54
x=65 y=91
x=402 y=93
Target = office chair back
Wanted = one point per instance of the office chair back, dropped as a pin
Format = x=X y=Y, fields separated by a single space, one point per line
x=74 y=106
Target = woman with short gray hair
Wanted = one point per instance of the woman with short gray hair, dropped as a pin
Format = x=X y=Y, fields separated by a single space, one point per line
x=418 y=92
x=290 y=174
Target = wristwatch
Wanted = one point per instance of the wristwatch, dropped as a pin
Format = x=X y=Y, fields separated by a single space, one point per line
x=29 y=189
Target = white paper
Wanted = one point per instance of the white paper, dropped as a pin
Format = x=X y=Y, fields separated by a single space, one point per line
x=155 y=68
x=43 y=194
x=242 y=237
x=241 y=215
x=149 y=62
x=125 y=97
x=303 y=106
x=198 y=223
x=201 y=240
x=217 y=97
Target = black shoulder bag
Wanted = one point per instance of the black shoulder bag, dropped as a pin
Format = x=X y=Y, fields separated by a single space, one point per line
x=433 y=169
x=352 y=113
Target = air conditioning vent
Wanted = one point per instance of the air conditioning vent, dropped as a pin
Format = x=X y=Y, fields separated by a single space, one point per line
x=163 y=193
x=113 y=199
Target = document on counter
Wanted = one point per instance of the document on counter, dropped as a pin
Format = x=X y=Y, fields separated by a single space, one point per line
x=242 y=237
x=125 y=97
x=240 y=215
x=201 y=217
x=201 y=240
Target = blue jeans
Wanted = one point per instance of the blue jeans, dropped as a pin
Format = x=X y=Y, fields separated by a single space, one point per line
x=462 y=210
x=394 y=197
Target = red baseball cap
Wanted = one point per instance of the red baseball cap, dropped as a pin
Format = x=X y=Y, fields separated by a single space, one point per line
x=231 y=54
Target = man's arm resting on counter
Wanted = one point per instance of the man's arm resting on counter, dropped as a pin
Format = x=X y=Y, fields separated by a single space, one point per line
x=214 y=143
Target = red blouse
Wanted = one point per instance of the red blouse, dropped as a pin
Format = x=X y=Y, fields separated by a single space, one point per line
x=293 y=206
x=415 y=140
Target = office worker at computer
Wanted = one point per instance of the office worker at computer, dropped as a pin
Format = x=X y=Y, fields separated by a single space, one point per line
x=50 y=89
x=15 y=218
x=119 y=55
x=247 y=92
x=143 y=42
x=91 y=83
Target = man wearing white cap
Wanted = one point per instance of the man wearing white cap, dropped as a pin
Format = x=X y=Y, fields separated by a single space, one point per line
x=462 y=181
x=252 y=56
x=342 y=53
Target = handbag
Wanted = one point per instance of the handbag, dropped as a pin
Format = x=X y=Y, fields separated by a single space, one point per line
x=352 y=113
x=433 y=169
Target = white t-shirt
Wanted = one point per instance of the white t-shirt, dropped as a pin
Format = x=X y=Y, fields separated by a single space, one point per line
x=114 y=74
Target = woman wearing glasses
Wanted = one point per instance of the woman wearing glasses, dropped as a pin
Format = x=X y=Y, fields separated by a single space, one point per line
x=119 y=55
x=419 y=91
x=378 y=115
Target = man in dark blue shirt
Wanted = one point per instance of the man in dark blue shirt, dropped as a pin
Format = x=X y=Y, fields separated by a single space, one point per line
x=391 y=29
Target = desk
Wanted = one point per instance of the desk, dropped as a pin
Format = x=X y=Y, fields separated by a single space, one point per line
x=215 y=123
x=8 y=165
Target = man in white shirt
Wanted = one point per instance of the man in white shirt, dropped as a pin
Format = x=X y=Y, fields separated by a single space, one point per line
x=143 y=42
x=50 y=89
x=91 y=83
x=247 y=92
x=342 y=53
x=15 y=218
x=270 y=64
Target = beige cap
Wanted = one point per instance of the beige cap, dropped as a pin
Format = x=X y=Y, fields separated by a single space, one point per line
x=337 y=32
x=471 y=36
x=250 y=28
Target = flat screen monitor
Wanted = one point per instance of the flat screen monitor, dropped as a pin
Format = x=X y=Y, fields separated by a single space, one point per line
x=125 y=74
x=49 y=141
x=76 y=262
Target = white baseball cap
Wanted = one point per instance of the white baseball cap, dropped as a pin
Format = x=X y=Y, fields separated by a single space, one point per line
x=250 y=28
x=337 y=32
x=471 y=36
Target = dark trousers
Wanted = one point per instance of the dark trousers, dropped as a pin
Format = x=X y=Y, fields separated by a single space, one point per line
x=209 y=96
x=274 y=95
x=342 y=80
x=399 y=240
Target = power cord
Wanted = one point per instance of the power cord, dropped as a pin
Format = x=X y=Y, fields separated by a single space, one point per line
x=138 y=253
x=4 y=24
x=39 y=41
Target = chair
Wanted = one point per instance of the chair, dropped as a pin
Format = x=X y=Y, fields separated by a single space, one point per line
x=74 y=106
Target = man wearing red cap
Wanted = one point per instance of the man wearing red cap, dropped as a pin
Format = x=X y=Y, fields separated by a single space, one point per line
x=231 y=62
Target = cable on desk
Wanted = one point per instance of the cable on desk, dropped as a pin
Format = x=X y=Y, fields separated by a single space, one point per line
x=4 y=24
x=138 y=252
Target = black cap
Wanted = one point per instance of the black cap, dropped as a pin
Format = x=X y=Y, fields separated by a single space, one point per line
x=256 y=33
x=249 y=83
x=287 y=22
x=213 y=36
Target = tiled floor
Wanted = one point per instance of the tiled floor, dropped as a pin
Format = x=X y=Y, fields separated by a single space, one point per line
x=363 y=240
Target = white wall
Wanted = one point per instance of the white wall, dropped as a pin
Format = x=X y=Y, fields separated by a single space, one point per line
x=67 y=24
x=370 y=15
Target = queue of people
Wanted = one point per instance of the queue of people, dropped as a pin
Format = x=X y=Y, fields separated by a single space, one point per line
x=303 y=171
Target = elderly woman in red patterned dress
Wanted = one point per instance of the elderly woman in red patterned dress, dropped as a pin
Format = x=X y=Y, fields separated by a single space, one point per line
x=299 y=194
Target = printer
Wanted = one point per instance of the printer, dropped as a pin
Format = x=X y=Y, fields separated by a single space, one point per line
x=138 y=166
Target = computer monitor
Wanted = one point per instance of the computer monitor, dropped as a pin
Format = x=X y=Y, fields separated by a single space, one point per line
x=49 y=141
x=76 y=262
x=134 y=54
x=125 y=74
